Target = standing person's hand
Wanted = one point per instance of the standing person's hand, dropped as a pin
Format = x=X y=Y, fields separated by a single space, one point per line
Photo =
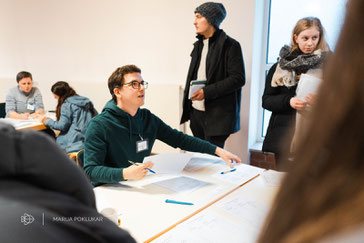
x=198 y=95
x=297 y=104
x=137 y=171
x=227 y=156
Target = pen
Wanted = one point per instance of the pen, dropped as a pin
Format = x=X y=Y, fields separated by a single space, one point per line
x=133 y=163
x=224 y=172
x=178 y=202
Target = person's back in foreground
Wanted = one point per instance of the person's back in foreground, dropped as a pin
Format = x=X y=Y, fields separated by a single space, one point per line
x=45 y=197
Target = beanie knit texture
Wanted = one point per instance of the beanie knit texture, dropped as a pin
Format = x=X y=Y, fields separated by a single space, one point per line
x=215 y=13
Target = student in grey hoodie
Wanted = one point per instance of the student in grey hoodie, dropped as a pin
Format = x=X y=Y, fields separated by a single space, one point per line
x=73 y=114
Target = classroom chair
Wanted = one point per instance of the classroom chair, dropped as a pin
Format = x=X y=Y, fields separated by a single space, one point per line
x=2 y=110
x=77 y=157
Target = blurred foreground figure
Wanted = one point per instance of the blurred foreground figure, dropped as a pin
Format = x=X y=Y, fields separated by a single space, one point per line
x=45 y=197
x=322 y=198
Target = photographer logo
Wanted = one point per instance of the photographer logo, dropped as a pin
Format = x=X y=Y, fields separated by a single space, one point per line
x=26 y=219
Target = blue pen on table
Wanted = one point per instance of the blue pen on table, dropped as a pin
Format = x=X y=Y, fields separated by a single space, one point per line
x=178 y=202
x=225 y=172
x=133 y=163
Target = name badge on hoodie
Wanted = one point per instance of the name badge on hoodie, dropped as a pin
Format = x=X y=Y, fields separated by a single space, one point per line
x=141 y=145
x=30 y=107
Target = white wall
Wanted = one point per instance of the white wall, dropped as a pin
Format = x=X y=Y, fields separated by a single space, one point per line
x=84 y=41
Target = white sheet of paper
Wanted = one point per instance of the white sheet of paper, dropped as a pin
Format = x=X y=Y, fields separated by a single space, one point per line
x=242 y=174
x=246 y=209
x=208 y=226
x=181 y=184
x=307 y=84
x=272 y=178
x=211 y=195
x=168 y=163
x=197 y=163
x=20 y=122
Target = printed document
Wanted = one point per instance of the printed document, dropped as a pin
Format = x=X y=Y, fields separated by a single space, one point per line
x=307 y=84
x=169 y=163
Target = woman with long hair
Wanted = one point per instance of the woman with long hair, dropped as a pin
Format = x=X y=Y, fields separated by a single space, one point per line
x=305 y=55
x=73 y=114
x=322 y=197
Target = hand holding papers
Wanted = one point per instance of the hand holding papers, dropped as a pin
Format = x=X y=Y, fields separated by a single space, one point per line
x=307 y=85
x=133 y=163
x=195 y=86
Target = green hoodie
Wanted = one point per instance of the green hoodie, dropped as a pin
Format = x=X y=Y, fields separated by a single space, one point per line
x=111 y=138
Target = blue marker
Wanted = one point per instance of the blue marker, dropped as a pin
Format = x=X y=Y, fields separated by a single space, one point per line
x=133 y=163
x=178 y=202
x=225 y=172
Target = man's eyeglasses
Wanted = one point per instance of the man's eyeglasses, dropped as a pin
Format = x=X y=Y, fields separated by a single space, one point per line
x=136 y=85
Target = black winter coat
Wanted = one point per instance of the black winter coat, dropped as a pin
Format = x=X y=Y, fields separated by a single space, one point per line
x=225 y=75
x=38 y=179
x=281 y=123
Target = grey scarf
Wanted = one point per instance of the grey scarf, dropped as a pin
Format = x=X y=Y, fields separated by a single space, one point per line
x=292 y=62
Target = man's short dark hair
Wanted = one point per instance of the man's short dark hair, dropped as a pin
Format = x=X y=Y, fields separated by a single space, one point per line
x=116 y=79
x=23 y=74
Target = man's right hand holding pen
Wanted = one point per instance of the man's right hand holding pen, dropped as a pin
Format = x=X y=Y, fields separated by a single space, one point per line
x=137 y=171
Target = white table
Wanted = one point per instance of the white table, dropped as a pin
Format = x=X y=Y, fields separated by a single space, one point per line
x=21 y=124
x=144 y=212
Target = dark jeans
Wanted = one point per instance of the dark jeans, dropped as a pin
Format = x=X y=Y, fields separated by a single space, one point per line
x=49 y=132
x=198 y=128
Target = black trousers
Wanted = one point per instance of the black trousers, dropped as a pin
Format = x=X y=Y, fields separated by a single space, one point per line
x=198 y=128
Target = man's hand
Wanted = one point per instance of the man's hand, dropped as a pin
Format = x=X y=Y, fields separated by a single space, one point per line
x=227 y=156
x=23 y=116
x=137 y=171
x=198 y=95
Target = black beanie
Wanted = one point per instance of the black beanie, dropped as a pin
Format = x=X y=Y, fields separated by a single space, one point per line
x=215 y=13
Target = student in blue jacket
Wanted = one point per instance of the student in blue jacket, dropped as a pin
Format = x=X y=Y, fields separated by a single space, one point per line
x=124 y=132
x=73 y=114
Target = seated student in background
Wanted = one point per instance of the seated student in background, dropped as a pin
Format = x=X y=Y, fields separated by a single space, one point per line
x=125 y=132
x=73 y=114
x=305 y=55
x=24 y=100
x=44 y=196
x=322 y=198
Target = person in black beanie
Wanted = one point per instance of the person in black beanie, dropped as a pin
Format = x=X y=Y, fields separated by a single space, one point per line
x=216 y=74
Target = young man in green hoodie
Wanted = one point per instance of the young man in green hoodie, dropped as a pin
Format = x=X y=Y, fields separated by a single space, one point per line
x=123 y=132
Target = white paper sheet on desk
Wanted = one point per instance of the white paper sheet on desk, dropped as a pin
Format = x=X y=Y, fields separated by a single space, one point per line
x=208 y=226
x=242 y=174
x=168 y=163
x=198 y=162
x=307 y=84
x=181 y=184
x=273 y=178
x=20 y=122
x=246 y=209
